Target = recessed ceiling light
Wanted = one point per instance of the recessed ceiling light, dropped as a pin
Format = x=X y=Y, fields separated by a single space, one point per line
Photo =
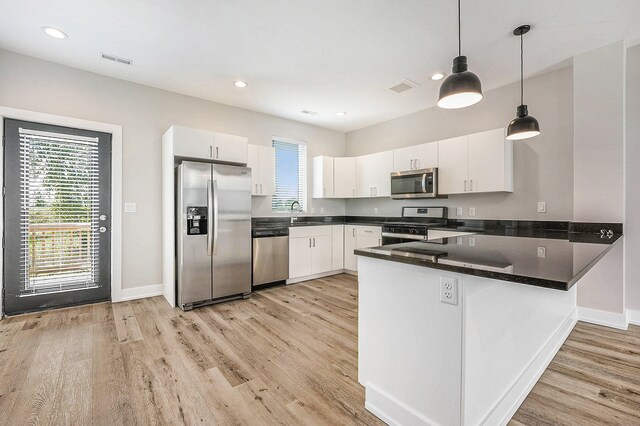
x=240 y=83
x=341 y=114
x=54 y=32
x=437 y=76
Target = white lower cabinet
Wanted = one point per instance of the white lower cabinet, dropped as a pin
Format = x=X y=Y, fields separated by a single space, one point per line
x=309 y=251
x=349 y=247
x=337 y=247
x=358 y=237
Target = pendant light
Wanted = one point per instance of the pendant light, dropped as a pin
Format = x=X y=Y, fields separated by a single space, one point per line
x=523 y=126
x=462 y=88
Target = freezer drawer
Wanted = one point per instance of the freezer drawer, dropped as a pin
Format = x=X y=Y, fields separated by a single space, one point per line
x=270 y=260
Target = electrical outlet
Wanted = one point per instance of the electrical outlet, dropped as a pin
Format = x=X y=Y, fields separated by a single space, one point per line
x=313 y=210
x=472 y=241
x=375 y=210
x=459 y=241
x=472 y=211
x=321 y=210
x=542 y=251
x=129 y=207
x=459 y=211
x=542 y=207
x=449 y=290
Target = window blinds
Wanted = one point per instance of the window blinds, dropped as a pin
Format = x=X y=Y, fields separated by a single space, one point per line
x=291 y=175
x=59 y=216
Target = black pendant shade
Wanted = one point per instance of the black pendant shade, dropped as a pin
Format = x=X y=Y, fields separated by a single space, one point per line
x=523 y=126
x=462 y=88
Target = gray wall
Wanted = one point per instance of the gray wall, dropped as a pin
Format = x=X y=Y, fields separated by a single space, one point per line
x=543 y=166
x=632 y=179
x=145 y=114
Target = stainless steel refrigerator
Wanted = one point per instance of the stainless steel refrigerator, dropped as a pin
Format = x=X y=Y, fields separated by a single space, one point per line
x=213 y=229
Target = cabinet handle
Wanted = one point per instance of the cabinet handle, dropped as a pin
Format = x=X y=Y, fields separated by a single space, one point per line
x=379 y=242
x=471 y=185
x=465 y=185
x=375 y=191
x=260 y=188
x=314 y=242
x=210 y=151
x=309 y=242
x=353 y=191
x=217 y=152
x=368 y=231
x=411 y=162
x=354 y=231
x=417 y=161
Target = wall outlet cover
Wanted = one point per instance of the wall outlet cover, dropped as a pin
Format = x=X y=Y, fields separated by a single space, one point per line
x=472 y=241
x=375 y=210
x=542 y=251
x=321 y=210
x=472 y=211
x=313 y=210
x=459 y=211
x=449 y=290
x=130 y=207
x=459 y=241
x=542 y=207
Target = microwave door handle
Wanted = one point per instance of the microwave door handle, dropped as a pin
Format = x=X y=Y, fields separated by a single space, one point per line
x=424 y=183
x=209 y=218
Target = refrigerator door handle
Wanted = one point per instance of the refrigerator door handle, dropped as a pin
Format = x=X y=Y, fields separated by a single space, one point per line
x=209 y=218
x=215 y=217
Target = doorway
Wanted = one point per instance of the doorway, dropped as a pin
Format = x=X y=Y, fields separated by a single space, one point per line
x=57 y=216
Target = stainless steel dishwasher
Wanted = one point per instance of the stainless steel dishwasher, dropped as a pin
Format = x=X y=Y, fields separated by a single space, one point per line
x=270 y=255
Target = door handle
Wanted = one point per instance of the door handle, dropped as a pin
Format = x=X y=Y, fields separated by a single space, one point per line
x=354 y=232
x=217 y=153
x=209 y=218
x=417 y=162
x=215 y=217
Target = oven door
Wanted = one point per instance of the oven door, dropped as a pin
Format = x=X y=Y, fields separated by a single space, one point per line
x=414 y=184
x=391 y=238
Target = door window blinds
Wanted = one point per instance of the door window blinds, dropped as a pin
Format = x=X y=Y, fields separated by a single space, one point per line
x=291 y=175
x=59 y=216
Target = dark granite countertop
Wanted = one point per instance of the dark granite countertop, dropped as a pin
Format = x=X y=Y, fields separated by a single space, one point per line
x=567 y=256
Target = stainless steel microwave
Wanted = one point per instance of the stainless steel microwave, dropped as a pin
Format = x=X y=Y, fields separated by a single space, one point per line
x=421 y=183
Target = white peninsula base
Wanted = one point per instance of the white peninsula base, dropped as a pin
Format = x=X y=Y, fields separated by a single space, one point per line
x=425 y=362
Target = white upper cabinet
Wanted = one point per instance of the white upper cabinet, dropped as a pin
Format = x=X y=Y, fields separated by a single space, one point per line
x=453 y=165
x=416 y=157
x=230 y=148
x=323 y=182
x=344 y=177
x=480 y=162
x=373 y=174
x=490 y=162
x=208 y=145
x=262 y=161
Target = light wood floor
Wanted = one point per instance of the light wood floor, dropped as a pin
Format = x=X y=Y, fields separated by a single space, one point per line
x=286 y=356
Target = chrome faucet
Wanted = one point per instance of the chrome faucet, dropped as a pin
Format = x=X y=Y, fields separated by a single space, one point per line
x=291 y=210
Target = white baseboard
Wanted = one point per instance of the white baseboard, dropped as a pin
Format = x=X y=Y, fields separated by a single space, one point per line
x=605 y=318
x=633 y=316
x=390 y=410
x=314 y=276
x=141 y=292
x=515 y=396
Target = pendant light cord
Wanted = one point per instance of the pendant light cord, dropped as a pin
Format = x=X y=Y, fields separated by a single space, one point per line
x=459 y=33
x=521 y=70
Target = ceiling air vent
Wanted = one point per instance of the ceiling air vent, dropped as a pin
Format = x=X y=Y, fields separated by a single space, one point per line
x=306 y=111
x=116 y=59
x=403 y=86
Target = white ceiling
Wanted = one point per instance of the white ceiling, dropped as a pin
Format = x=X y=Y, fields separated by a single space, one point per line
x=323 y=55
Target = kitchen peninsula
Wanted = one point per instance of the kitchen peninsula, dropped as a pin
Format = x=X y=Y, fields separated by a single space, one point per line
x=456 y=331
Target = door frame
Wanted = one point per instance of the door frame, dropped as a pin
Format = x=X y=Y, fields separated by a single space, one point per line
x=116 y=184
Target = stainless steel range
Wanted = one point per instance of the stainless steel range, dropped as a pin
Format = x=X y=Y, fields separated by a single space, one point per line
x=415 y=224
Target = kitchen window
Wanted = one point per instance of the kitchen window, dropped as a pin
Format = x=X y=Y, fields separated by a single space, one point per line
x=291 y=175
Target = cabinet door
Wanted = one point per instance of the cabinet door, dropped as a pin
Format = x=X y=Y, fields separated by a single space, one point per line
x=267 y=169
x=349 y=247
x=192 y=143
x=344 y=177
x=253 y=162
x=382 y=168
x=300 y=253
x=453 y=165
x=321 y=254
x=337 y=247
x=489 y=162
x=365 y=175
x=322 y=177
x=404 y=159
x=426 y=155
x=230 y=148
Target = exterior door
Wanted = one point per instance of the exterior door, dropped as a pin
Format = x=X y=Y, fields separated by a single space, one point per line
x=57 y=216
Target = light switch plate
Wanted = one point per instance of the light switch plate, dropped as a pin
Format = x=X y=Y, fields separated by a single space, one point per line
x=459 y=211
x=129 y=207
x=472 y=211
x=542 y=207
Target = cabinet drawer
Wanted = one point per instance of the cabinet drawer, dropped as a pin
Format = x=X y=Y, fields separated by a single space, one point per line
x=369 y=231
x=309 y=231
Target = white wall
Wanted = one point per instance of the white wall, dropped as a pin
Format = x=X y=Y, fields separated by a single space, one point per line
x=632 y=179
x=145 y=114
x=543 y=165
x=599 y=135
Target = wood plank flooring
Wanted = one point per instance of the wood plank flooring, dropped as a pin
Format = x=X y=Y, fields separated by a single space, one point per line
x=287 y=356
